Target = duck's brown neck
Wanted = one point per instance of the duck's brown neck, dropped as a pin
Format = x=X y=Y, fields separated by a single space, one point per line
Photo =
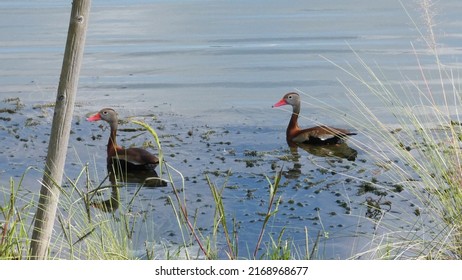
x=112 y=142
x=293 y=128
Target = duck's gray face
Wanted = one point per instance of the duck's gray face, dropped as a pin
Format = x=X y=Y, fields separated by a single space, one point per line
x=290 y=98
x=106 y=114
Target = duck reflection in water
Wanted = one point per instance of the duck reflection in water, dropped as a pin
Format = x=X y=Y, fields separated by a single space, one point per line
x=120 y=177
x=341 y=151
x=147 y=177
x=109 y=205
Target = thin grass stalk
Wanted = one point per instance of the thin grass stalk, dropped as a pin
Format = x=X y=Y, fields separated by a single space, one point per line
x=307 y=244
x=157 y=140
x=273 y=187
x=221 y=216
x=181 y=203
x=180 y=222
x=184 y=213
x=10 y=213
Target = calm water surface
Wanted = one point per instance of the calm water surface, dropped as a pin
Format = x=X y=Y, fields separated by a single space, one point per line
x=204 y=74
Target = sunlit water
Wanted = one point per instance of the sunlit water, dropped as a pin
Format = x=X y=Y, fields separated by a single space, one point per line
x=204 y=74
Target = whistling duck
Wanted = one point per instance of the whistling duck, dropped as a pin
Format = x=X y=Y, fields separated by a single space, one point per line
x=131 y=158
x=314 y=135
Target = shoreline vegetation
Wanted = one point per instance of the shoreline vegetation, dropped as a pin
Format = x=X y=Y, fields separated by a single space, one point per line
x=419 y=155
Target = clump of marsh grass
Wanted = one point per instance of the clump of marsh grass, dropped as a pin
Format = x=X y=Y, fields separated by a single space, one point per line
x=281 y=248
x=90 y=224
x=93 y=229
x=422 y=154
x=418 y=147
x=80 y=232
x=15 y=221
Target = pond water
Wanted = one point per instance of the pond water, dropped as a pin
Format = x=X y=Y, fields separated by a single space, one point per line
x=205 y=74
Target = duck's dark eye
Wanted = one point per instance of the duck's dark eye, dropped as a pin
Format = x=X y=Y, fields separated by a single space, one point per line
x=104 y=112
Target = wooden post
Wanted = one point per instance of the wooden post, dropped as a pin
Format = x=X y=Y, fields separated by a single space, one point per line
x=60 y=130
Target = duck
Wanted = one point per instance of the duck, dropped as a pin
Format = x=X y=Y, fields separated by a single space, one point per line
x=317 y=135
x=129 y=159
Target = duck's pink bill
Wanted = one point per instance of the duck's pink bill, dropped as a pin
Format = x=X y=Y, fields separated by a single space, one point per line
x=281 y=102
x=95 y=117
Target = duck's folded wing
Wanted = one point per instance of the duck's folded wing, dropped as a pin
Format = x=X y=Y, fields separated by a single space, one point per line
x=137 y=156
